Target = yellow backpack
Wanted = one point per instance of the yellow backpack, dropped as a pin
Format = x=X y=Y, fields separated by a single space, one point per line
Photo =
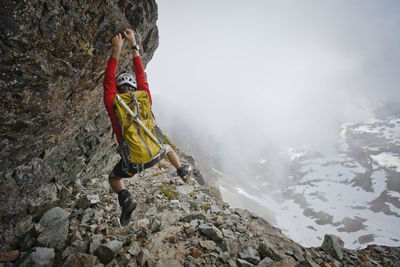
x=138 y=150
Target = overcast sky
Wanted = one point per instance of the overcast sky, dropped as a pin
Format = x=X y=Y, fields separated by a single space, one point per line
x=280 y=72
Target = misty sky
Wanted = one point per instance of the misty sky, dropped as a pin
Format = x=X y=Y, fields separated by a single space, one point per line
x=282 y=72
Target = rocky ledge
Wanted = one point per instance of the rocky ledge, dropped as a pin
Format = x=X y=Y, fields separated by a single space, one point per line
x=175 y=224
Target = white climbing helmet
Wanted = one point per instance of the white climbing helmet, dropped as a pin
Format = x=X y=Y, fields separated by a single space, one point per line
x=126 y=78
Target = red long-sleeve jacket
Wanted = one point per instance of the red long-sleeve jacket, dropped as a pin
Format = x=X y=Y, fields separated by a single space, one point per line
x=110 y=89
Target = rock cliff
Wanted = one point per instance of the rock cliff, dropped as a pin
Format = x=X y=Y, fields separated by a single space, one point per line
x=55 y=152
x=54 y=128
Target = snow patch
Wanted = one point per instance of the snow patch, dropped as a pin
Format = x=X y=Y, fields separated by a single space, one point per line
x=389 y=160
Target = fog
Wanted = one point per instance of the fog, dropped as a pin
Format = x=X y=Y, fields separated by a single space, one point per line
x=236 y=80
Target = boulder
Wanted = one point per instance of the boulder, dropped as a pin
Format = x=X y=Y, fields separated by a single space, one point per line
x=211 y=232
x=266 y=249
x=333 y=245
x=266 y=262
x=55 y=223
x=250 y=254
x=108 y=251
x=43 y=257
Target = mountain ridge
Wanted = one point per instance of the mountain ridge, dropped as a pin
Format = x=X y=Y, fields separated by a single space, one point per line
x=55 y=205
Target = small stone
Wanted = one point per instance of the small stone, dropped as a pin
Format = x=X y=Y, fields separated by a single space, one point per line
x=106 y=252
x=227 y=211
x=96 y=242
x=88 y=260
x=174 y=204
x=190 y=230
x=215 y=209
x=265 y=262
x=308 y=262
x=185 y=189
x=333 y=245
x=124 y=260
x=192 y=216
x=87 y=200
x=224 y=257
x=9 y=256
x=93 y=228
x=228 y=233
x=134 y=249
x=43 y=256
x=23 y=226
x=380 y=249
x=266 y=249
x=155 y=225
x=211 y=231
x=240 y=212
x=143 y=257
x=116 y=222
x=250 y=254
x=194 y=204
x=298 y=255
x=196 y=253
x=151 y=212
x=208 y=244
x=232 y=246
x=243 y=263
x=37 y=229
x=194 y=223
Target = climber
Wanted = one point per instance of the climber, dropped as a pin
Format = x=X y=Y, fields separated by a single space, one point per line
x=124 y=83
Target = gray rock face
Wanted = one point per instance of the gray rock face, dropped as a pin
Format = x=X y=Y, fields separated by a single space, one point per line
x=53 y=118
x=211 y=231
x=43 y=257
x=333 y=245
x=55 y=223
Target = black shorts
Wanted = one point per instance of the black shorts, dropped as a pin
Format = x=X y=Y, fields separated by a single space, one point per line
x=119 y=172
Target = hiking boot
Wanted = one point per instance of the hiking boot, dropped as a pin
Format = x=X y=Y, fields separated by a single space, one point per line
x=127 y=208
x=184 y=172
